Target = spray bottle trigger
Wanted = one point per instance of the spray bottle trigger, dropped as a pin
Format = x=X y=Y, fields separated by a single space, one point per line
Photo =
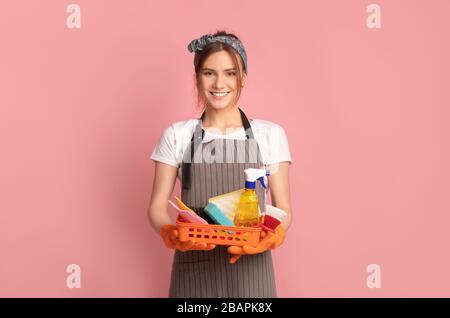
x=263 y=181
x=266 y=178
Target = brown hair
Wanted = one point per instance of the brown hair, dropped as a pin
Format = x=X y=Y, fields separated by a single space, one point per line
x=200 y=58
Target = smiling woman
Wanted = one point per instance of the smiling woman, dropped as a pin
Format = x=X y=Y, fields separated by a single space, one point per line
x=206 y=270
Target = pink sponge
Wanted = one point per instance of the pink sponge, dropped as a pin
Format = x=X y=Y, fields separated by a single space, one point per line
x=186 y=214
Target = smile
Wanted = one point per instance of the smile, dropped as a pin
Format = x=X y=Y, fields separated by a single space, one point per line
x=220 y=94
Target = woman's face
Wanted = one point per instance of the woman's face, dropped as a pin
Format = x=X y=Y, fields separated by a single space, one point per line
x=218 y=78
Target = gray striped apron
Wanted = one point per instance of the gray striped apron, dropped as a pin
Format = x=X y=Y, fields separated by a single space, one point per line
x=208 y=273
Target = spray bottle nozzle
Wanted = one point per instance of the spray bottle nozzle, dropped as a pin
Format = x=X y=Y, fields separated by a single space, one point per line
x=251 y=175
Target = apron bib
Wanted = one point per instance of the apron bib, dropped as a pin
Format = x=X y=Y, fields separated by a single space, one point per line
x=208 y=273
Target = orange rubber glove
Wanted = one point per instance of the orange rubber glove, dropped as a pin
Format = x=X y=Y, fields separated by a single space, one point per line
x=267 y=241
x=169 y=234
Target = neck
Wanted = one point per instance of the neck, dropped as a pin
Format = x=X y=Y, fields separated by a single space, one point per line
x=222 y=118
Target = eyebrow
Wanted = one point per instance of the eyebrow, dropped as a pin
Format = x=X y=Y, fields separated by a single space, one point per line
x=209 y=69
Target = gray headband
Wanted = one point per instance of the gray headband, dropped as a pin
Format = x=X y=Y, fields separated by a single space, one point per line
x=197 y=45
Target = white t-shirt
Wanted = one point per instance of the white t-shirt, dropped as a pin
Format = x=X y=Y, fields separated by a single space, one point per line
x=271 y=138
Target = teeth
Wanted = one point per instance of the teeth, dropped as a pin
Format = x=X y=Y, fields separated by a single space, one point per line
x=219 y=94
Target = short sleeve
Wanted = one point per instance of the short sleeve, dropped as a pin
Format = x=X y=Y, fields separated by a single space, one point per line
x=278 y=146
x=165 y=149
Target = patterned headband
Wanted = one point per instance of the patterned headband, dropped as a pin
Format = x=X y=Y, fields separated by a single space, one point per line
x=197 y=45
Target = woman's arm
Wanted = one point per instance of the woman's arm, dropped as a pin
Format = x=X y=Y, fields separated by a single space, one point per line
x=163 y=184
x=280 y=191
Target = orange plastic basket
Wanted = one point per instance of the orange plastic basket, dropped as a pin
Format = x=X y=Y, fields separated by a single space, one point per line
x=218 y=234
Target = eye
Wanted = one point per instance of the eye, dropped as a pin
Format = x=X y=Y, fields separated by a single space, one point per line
x=207 y=73
x=232 y=73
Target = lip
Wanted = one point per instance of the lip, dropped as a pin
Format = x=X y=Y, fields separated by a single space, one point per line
x=219 y=97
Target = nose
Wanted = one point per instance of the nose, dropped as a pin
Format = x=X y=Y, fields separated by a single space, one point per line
x=219 y=82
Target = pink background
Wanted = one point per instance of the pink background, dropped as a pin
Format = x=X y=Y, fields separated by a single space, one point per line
x=366 y=112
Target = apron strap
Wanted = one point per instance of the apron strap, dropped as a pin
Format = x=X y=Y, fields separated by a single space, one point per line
x=196 y=140
x=245 y=122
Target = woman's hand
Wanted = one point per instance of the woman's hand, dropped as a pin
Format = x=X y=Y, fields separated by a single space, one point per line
x=267 y=241
x=169 y=233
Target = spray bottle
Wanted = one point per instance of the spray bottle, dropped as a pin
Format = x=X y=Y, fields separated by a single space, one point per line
x=247 y=213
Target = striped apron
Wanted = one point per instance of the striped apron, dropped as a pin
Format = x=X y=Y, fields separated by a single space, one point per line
x=208 y=273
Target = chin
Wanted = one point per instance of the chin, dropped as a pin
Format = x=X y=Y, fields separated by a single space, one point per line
x=217 y=106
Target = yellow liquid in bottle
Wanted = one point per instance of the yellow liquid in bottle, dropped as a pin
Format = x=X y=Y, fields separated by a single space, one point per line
x=247 y=211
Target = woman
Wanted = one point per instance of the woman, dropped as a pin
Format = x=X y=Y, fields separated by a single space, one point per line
x=216 y=139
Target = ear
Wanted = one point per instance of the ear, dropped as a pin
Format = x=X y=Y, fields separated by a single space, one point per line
x=244 y=79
